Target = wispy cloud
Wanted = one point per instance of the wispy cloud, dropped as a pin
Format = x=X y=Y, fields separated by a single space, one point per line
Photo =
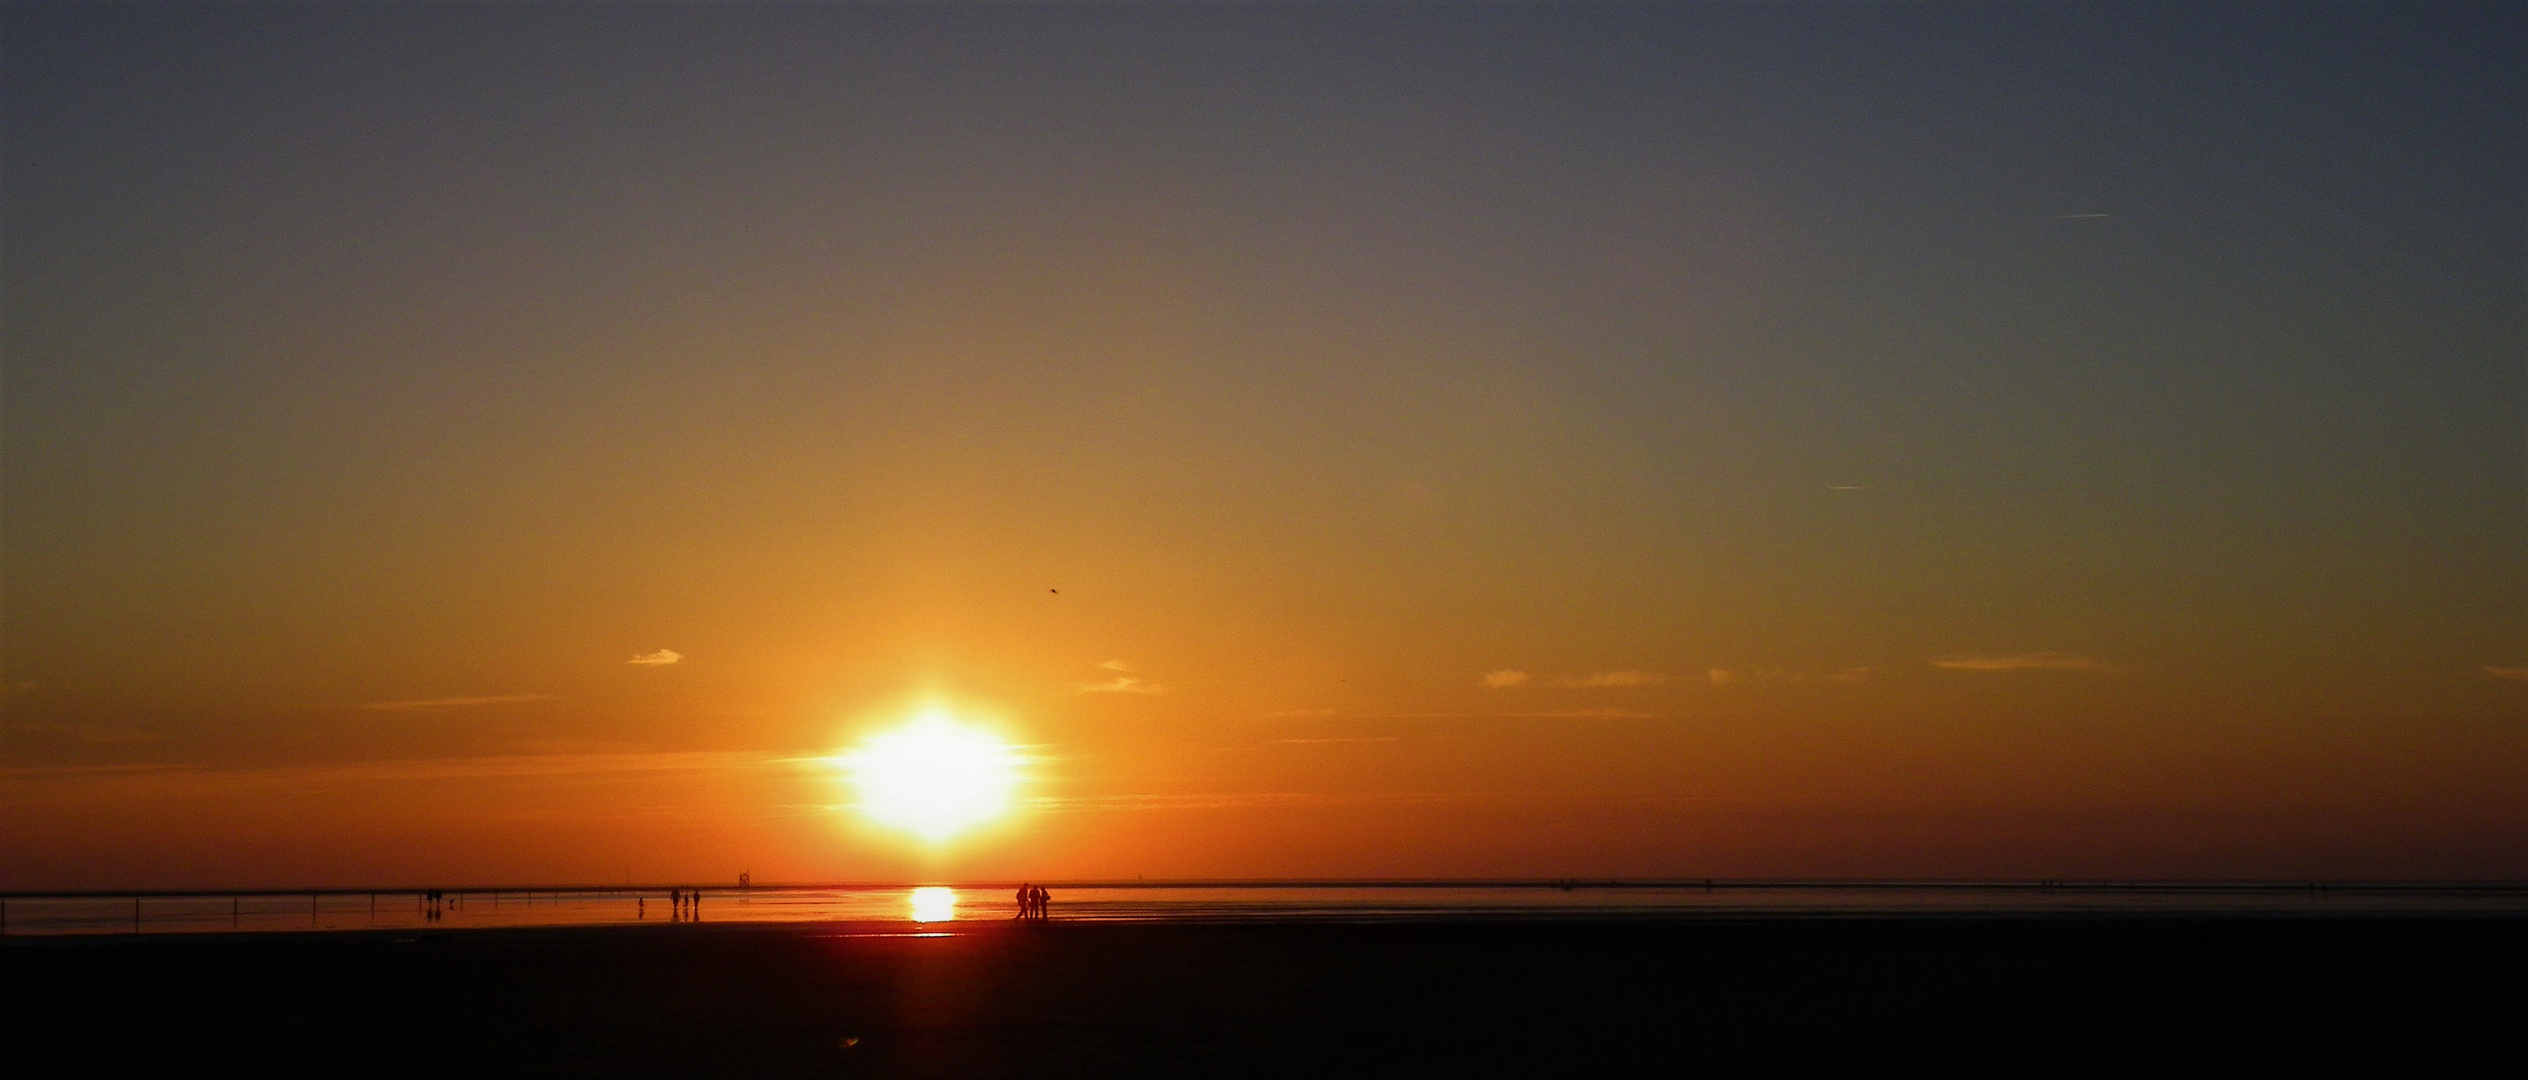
x=86 y=733
x=1121 y=683
x=1596 y=714
x=1605 y=679
x=32 y=773
x=1510 y=680
x=1321 y=742
x=2036 y=661
x=1234 y=800
x=429 y=704
x=655 y=659
x=1725 y=676
x=1540 y=714
x=1472 y=714
x=2495 y=671
x=139 y=780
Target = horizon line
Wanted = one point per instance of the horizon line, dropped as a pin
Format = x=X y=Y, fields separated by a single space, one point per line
x=2479 y=885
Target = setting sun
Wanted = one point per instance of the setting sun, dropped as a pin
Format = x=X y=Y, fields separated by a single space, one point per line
x=933 y=777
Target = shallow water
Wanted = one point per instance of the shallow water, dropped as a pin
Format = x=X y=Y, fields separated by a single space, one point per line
x=937 y=907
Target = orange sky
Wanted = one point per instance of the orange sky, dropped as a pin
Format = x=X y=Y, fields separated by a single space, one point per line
x=1466 y=441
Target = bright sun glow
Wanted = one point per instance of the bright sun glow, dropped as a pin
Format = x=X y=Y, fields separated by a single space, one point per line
x=933 y=777
x=932 y=903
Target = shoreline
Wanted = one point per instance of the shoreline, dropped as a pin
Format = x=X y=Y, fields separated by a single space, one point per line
x=1467 y=919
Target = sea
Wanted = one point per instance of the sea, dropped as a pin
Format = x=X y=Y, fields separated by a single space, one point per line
x=942 y=908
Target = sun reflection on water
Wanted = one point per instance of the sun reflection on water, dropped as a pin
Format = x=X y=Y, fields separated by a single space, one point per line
x=934 y=903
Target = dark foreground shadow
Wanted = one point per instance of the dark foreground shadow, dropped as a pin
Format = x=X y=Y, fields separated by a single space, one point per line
x=1992 y=995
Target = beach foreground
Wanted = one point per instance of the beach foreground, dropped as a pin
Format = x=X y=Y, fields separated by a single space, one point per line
x=992 y=999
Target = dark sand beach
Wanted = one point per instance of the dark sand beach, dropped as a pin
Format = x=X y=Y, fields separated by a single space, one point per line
x=1296 y=998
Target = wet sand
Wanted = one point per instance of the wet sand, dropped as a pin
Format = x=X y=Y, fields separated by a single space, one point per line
x=1284 y=999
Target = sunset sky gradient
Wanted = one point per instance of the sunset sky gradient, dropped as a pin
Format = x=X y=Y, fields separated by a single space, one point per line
x=456 y=442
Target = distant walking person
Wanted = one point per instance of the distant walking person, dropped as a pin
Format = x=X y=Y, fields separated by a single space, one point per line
x=1043 y=900
x=1026 y=899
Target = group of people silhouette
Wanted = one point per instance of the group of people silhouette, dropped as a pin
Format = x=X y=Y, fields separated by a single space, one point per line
x=687 y=905
x=1032 y=900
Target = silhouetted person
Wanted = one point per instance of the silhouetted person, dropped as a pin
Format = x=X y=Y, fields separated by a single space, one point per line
x=1043 y=900
x=1026 y=898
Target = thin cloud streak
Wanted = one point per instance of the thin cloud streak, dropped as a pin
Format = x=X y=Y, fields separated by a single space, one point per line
x=1725 y=676
x=101 y=736
x=1321 y=742
x=2495 y=671
x=140 y=780
x=1544 y=714
x=1509 y=679
x=1230 y=801
x=33 y=773
x=654 y=659
x=1608 y=679
x=1121 y=683
x=428 y=704
x=2036 y=661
